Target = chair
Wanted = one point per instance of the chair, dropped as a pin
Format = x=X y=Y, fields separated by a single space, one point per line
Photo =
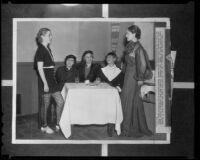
x=147 y=90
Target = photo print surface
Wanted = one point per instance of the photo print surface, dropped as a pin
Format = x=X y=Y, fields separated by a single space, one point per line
x=101 y=107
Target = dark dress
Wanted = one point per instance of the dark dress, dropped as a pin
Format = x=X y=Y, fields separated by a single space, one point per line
x=64 y=75
x=94 y=69
x=43 y=55
x=134 y=119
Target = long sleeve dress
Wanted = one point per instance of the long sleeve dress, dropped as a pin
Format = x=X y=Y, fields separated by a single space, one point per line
x=134 y=119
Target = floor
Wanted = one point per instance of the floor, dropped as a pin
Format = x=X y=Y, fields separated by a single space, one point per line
x=27 y=128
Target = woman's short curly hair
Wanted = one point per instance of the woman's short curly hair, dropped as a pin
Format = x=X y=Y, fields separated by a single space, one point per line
x=70 y=56
x=113 y=54
x=135 y=29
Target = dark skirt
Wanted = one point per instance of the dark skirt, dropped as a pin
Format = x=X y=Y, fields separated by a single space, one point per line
x=134 y=118
x=50 y=77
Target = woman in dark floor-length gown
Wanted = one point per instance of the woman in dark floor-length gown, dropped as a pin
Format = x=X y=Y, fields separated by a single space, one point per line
x=137 y=64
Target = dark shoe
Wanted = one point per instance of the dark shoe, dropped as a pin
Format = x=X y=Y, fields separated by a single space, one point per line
x=70 y=137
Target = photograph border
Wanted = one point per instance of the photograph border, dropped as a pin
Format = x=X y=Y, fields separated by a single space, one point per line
x=163 y=129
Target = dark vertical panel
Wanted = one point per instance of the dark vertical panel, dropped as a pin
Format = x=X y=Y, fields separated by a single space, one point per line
x=6 y=43
x=167 y=78
x=6 y=96
x=182 y=38
x=18 y=105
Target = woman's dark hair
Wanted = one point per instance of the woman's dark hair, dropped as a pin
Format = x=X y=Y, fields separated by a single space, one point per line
x=41 y=32
x=135 y=29
x=70 y=56
x=110 y=54
x=86 y=52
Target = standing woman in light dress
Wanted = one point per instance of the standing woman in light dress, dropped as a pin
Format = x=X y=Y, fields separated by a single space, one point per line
x=137 y=69
x=44 y=64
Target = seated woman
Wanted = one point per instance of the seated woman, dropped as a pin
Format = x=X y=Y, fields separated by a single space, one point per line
x=112 y=75
x=87 y=69
x=68 y=72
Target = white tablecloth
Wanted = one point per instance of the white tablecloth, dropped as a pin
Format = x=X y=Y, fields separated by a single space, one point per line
x=90 y=105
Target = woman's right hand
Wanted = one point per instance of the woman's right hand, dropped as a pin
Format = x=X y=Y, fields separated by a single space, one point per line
x=140 y=83
x=46 y=88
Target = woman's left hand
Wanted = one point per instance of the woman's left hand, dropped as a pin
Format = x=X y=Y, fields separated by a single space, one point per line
x=119 y=89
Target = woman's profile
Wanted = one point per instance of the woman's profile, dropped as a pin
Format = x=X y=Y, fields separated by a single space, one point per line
x=44 y=64
x=137 y=70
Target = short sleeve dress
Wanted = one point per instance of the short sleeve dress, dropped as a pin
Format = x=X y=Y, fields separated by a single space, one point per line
x=44 y=55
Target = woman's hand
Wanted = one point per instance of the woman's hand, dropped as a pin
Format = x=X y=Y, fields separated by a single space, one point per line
x=140 y=83
x=46 y=88
x=119 y=89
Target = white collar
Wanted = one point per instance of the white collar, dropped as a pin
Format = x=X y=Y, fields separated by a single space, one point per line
x=111 y=72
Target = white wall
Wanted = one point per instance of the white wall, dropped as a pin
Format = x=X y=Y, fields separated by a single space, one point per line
x=95 y=36
x=76 y=37
x=68 y=38
x=147 y=37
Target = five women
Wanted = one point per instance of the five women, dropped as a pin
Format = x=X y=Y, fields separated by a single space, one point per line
x=137 y=69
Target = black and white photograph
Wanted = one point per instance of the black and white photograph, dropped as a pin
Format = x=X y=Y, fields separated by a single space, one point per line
x=105 y=81
x=90 y=79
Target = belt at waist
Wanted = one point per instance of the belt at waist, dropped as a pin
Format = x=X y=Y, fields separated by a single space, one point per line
x=48 y=67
